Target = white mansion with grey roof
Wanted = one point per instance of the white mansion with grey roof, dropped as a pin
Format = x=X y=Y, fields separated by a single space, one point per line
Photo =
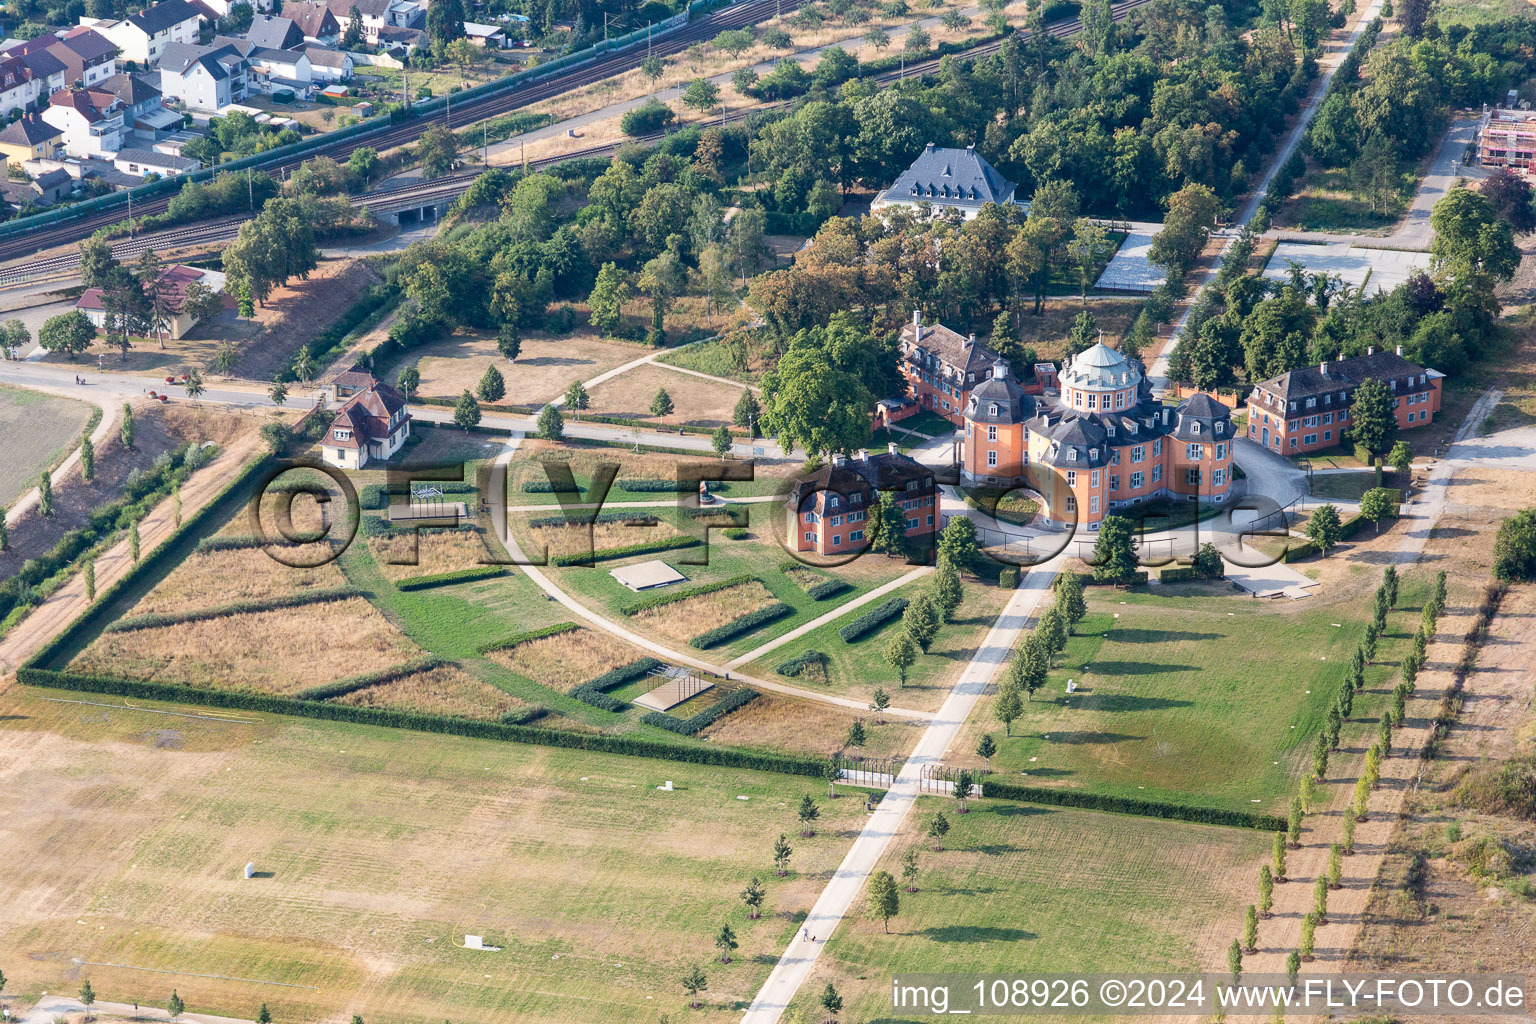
x=947 y=179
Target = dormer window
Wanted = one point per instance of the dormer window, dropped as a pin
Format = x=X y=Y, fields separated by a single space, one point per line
x=342 y=435
x=1071 y=454
x=1194 y=428
x=1220 y=428
x=834 y=502
x=1110 y=429
x=992 y=409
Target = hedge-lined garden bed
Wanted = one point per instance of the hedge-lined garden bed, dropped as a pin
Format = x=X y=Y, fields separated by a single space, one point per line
x=443 y=579
x=624 y=551
x=522 y=638
x=156 y=620
x=595 y=691
x=673 y=596
x=696 y=724
x=870 y=621
x=753 y=620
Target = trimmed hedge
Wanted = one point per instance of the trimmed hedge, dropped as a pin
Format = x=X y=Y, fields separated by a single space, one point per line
x=704 y=719
x=548 y=487
x=669 y=597
x=1178 y=575
x=156 y=620
x=1300 y=551
x=795 y=666
x=443 y=579
x=585 y=518
x=1008 y=577
x=739 y=626
x=376 y=496
x=230 y=542
x=625 y=551
x=1135 y=579
x=522 y=638
x=599 y=742
x=363 y=680
x=651 y=485
x=827 y=588
x=1128 y=805
x=595 y=691
x=870 y=621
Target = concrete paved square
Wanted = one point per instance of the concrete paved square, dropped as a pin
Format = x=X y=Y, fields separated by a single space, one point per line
x=1376 y=269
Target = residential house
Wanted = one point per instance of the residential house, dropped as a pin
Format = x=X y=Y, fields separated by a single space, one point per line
x=221 y=8
x=329 y=66
x=80 y=56
x=140 y=162
x=1308 y=409
x=370 y=427
x=40 y=190
x=19 y=88
x=352 y=381
x=276 y=71
x=274 y=33
x=828 y=510
x=401 y=42
x=941 y=366
x=943 y=179
x=92 y=121
x=172 y=286
x=315 y=20
x=377 y=15
x=30 y=138
x=206 y=78
x=1102 y=444
x=144 y=110
x=48 y=73
x=143 y=37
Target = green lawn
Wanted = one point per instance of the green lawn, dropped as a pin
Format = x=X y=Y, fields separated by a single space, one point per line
x=36 y=431
x=379 y=849
x=711 y=358
x=855 y=669
x=1349 y=485
x=1194 y=695
x=1325 y=202
x=1026 y=889
x=758 y=557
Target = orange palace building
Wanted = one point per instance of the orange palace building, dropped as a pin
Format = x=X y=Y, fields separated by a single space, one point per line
x=1098 y=446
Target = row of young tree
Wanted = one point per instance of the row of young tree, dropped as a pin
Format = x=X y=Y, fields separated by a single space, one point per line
x=1309 y=797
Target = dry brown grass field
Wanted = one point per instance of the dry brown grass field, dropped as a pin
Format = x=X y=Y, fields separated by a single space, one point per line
x=544 y=369
x=566 y=660
x=279 y=651
x=378 y=850
x=776 y=722
x=222 y=577
x=695 y=401
x=566 y=540
x=682 y=620
x=445 y=690
x=427 y=552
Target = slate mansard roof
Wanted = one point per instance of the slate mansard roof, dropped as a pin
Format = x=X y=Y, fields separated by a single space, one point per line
x=950 y=177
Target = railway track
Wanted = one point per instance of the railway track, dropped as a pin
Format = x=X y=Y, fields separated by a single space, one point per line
x=387 y=137
x=225 y=228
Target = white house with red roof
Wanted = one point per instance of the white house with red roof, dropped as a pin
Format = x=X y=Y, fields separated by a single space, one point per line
x=91 y=120
x=172 y=285
x=370 y=427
